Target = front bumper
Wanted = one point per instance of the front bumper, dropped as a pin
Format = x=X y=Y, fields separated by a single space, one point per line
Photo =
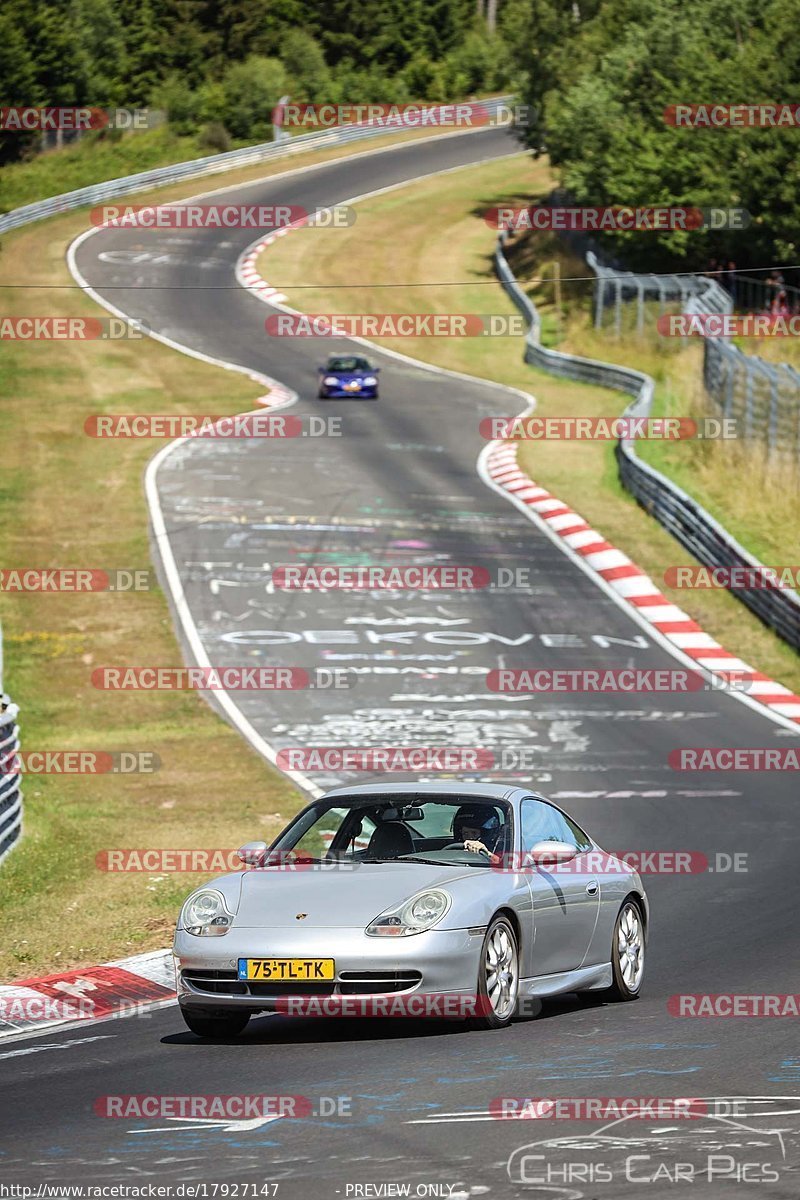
x=336 y=393
x=432 y=963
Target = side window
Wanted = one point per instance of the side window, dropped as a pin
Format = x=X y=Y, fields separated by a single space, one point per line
x=543 y=823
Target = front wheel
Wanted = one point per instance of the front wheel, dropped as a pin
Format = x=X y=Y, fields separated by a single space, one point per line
x=215 y=1025
x=498 y=976
x=627 y=953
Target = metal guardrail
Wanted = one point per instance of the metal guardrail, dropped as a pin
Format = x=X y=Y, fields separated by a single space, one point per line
x=10 y=790
x=213 y=165
x=673 y=508
x=762 y=397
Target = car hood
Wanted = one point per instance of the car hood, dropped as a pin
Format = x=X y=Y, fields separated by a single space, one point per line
x=336 y=897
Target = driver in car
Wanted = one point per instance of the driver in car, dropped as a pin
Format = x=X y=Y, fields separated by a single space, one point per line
x=477 y=827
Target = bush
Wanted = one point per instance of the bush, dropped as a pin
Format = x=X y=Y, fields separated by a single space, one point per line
x=250 y=92
x=308 y=74
x=479 y=64
x=180 y=104
x=215 y=138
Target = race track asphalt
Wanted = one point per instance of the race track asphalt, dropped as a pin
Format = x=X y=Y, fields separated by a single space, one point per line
x=402 y=479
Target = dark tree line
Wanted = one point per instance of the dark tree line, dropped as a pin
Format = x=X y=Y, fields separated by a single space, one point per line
x=601 y=75
x=226 y=62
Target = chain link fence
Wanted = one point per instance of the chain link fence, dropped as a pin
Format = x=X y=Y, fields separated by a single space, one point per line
x=762 y=397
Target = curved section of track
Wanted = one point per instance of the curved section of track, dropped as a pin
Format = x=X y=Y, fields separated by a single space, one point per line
x=400 y=480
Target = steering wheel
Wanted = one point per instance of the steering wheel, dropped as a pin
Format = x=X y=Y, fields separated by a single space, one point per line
x=462 y=846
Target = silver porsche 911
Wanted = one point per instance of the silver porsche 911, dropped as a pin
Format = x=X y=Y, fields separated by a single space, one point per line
x=386 y=899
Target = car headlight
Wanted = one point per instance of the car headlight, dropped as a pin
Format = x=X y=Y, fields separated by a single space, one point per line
x=204 y=914
x=414 y=916
x=330 y=381
x=370 y=380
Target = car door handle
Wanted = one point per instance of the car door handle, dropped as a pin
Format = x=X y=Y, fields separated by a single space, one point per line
x=591 y=888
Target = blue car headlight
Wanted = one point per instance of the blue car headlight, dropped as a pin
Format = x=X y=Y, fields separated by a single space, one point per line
x=330 y=381
x=370 y=381
x=204 y=914
x=421 y=912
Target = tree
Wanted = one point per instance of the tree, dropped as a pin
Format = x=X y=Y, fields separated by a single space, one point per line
x=251 y=90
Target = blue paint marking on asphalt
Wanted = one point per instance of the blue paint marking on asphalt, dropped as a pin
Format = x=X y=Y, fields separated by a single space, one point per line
x=603 y=1063
x=788 y=1071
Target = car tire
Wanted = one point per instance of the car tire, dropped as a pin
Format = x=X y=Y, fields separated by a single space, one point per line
x=215 y=1025
x=627 y=953
x=500 y=947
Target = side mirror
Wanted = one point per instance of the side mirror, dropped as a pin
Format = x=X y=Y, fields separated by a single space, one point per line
x=550 y=854
x=252 y=853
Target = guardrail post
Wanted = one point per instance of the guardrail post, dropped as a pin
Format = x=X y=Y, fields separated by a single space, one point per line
x=639 y=306
x=618 y=307
x=599 y=301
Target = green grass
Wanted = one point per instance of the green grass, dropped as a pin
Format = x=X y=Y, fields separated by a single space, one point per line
x=95 y=157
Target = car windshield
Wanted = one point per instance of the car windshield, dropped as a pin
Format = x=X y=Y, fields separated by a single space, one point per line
x=350 y=363
x=447 y=830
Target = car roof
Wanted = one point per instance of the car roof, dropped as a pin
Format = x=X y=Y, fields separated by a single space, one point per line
x=449 y=787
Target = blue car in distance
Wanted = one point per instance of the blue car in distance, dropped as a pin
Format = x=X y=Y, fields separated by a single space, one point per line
x=348 y=376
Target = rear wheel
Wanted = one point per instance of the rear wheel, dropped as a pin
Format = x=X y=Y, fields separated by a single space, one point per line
x=627 y=953
x=498 y=976
x=215 y=1025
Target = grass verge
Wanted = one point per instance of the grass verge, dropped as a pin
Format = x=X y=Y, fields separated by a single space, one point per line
x=457 y=247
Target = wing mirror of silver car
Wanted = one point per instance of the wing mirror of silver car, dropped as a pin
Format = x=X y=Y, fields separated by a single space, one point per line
x=251 y=853
x=549 y=854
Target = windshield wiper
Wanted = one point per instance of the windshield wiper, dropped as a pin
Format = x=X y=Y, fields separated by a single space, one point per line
x=434 y=862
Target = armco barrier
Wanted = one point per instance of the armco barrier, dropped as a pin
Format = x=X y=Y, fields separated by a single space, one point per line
x=10 y=790
x=212 y=165
x=673 y=508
